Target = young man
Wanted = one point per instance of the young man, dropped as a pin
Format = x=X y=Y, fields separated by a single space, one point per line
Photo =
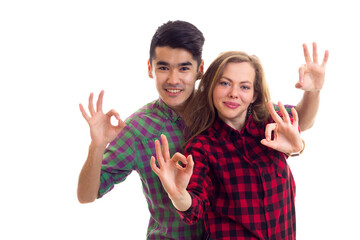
x=175 y=63
x=115 y=151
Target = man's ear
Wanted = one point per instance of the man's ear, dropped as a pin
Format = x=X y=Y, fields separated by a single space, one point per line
x=149 y=70
x=201 y=70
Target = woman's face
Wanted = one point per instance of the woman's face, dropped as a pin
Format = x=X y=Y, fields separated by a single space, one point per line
x=234 y=93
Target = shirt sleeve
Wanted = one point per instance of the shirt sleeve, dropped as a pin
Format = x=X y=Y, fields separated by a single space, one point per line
x=287 y=107
x=200 y=186
x=118 y=161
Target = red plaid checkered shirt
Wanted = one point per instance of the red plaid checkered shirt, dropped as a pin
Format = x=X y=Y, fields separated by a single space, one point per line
x=241 y=188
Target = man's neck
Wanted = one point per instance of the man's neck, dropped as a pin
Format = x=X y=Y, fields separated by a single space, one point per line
x=179 y=111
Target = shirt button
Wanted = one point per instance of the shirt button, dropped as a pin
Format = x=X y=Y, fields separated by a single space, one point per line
x=269 y=208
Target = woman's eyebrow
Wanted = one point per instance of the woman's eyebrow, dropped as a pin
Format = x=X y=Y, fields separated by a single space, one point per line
x=245 y=81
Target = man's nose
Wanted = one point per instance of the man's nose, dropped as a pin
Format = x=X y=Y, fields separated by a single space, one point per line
x=173 y=77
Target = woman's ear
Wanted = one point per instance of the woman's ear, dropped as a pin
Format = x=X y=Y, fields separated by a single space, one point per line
x=150 y=70
x=254 y=98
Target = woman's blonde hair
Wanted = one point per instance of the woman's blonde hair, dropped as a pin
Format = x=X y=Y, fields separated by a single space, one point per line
x=200 y=112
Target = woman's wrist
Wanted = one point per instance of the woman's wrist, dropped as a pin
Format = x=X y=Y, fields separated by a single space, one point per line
x=297 y=153
x=182 y=202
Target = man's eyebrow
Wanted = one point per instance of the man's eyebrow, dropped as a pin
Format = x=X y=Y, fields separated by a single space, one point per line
x=185 y=64
x=163 y=63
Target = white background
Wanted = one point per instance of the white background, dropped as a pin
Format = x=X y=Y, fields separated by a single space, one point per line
x=54 y=53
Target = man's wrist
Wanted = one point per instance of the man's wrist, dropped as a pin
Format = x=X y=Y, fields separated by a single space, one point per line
x=98 y=146
x=314 y=92
x=96 y=153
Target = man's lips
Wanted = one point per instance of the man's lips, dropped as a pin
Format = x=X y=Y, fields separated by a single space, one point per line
x=232 y=105
x=173 y=91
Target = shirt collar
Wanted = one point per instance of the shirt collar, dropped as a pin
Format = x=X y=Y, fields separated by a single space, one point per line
x=166 y=111
x=250 y=127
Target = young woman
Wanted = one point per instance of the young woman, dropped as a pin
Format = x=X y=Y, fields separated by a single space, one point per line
x=240 y=184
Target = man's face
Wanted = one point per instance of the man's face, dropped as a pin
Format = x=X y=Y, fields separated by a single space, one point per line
x=175 y=73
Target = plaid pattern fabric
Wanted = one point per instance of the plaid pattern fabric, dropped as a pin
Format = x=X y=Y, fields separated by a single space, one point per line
x=132 y=150
x=242 y=189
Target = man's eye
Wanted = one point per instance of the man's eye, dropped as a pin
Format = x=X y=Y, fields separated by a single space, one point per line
x=185 y=69
x=163 y=68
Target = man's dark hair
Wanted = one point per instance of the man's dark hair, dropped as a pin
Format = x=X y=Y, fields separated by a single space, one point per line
x=178 y=34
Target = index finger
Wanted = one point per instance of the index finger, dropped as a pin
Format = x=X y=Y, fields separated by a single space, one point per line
x=190 y=164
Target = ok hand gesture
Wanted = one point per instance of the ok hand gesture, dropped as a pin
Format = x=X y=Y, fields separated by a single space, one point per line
x=287 y=138
x=173 y=177
x=312 y=74
x=101 y=130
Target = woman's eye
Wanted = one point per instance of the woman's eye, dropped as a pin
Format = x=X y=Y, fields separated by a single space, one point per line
x=224 y=83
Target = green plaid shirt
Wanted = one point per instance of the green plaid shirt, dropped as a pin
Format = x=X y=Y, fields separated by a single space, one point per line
x=132 y=150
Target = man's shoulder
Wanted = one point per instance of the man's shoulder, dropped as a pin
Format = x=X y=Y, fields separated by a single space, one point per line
x=150 y=109
x=147 y=121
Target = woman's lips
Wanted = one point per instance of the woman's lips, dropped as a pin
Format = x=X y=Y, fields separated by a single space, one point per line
x=232 y=105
